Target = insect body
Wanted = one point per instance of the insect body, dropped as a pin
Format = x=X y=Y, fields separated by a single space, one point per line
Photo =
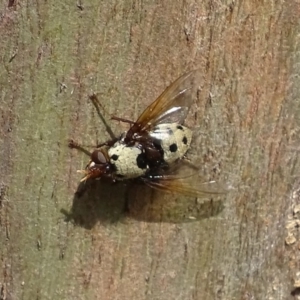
x=167 y=143
x=153 y=144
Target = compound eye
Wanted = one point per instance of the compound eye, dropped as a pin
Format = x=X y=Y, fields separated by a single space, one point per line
x=98 y=157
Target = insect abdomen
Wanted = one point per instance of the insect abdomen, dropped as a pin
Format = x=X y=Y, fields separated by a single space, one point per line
x=174 y=139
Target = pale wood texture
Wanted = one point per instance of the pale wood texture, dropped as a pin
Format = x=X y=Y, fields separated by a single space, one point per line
x=54 y=54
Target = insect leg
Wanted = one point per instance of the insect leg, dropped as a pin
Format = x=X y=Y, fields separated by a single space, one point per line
x=122 y=120
x=107 y=143
x=97 y=104
x=74 y=145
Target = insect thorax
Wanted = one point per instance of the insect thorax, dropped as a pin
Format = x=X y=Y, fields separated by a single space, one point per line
x=128 y=162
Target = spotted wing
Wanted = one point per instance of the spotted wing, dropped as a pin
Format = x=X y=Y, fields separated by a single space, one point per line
x=171 y=106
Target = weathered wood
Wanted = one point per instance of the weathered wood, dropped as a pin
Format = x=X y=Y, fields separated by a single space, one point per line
x=54 y=54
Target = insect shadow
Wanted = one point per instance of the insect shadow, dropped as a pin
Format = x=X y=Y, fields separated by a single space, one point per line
x=108 y=203
x=146 y=204
x=97 y=201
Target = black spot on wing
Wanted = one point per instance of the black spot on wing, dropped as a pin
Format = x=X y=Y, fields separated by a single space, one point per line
x=114 y=157
x=173 y=147
x=179 y=127
x=141 y=161
x=184 y=140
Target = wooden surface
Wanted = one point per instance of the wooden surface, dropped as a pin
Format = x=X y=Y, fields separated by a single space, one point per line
x=56 y=244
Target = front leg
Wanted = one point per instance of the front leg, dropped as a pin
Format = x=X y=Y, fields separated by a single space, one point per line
x=74 y=145
x=107 y=143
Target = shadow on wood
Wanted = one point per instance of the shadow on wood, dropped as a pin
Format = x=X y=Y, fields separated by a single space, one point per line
x=99 y=201
x=95 y=201
x=146 y=204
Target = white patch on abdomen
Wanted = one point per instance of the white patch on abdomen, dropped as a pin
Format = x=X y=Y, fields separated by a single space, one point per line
x=174 y=139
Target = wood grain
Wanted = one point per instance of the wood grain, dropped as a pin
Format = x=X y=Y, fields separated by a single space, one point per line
x=56 y=244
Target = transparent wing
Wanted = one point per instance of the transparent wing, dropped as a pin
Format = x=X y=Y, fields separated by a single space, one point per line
x=183 y=192
x=187 y=186
x=148 y=203
x=171 y=106
x=186 y=177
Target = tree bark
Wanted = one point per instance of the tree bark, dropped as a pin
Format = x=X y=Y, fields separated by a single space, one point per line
x=58 y=244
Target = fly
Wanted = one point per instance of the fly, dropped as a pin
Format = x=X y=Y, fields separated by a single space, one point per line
x=154 y=147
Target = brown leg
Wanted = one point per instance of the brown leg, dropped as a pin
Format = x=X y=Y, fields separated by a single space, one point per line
x=122 y=120
x=74 y=145
x=97 y=104
x=107 y=143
